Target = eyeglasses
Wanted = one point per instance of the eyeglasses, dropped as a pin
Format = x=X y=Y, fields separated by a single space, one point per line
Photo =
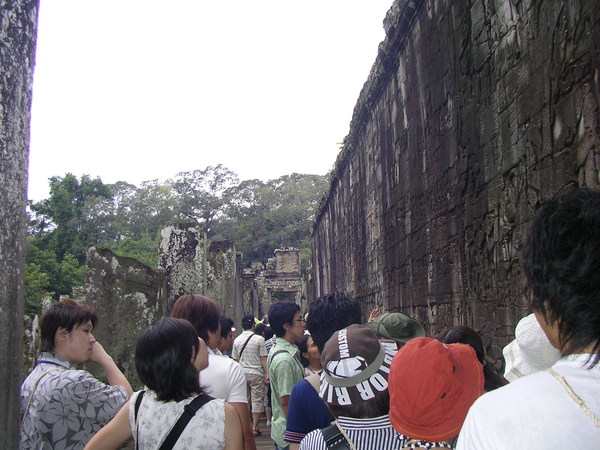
x=299 y=320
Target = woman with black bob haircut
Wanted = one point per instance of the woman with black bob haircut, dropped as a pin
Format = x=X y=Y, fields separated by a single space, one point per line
x=168 y=357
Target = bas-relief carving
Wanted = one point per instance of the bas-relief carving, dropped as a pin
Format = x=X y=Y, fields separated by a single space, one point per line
x=443 y=169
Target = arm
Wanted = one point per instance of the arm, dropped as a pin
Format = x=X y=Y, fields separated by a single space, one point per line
x=113 y=374
x=285 y=401
x=263 y=363
x=114 y=433
x=242 y=411
x=233 y=429
x=294 y=446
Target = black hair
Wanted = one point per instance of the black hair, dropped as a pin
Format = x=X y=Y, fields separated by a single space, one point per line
x=247 y=322
x=562 y=266
x=281 y=313
x=374 y=407
x=331 y=313
x=163 y=359
x=226 y=325
x=302 y=344
x=268 y=332
x=467 y=335
x=65 y=314
x=260 y=329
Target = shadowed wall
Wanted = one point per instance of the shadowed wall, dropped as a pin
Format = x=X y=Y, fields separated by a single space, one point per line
x=474 y=113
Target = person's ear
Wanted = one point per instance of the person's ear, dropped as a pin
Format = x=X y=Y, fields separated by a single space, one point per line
x=60 y=335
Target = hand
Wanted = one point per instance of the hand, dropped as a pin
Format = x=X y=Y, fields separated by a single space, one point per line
x=374 y=314
x=267 y=379
x=98 y=354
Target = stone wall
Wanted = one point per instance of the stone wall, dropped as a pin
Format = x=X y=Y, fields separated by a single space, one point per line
x=474 y=113
x=128 y=296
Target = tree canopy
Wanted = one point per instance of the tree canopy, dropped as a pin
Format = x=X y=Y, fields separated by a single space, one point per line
x=258 y=216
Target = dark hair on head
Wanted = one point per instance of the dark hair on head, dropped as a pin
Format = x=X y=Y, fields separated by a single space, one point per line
x=247 y=322
x=281 y=313
x=268 y=332
x=260 y=329
x=302 y=345
x=467 y=335
x=331 y=313
x=163 y=359
x=65 y=314
x=562 y=266
x=202 y=312
x=226 y=325
x=377 y=406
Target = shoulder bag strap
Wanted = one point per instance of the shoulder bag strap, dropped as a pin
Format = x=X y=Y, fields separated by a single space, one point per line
x=334 y=439
x=314 y=380
x=35 y=385
x=136 y=408
x=244 y=347
x=188 y=412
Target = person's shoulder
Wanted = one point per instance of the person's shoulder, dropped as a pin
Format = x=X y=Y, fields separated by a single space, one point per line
x=313 y=441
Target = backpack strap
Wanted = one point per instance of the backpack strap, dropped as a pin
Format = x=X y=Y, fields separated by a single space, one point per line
x=277 y=353
x=188 y=412
x=334 y=439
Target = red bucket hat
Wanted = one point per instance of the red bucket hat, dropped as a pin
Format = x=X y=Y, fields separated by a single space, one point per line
x=432 y=385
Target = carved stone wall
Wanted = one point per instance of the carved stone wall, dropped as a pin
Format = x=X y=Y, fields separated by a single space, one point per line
x=281 y=280
x=474 y=113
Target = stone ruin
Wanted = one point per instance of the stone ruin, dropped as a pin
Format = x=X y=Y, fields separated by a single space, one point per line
x=129 y=296
x=474 y=114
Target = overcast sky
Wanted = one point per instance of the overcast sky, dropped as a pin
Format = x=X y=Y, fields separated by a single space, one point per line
x=136 y=90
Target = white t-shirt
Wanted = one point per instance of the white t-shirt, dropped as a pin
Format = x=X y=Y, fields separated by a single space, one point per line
x=224 y=379
x=536 y=412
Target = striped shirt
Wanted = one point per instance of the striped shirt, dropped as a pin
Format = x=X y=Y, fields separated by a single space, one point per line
x=366 y=434
x=251 y=356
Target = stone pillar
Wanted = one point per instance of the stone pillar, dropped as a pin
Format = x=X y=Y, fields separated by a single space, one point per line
x=128 y=296
x=180 y=256
x=223 y=278
x=17 y=53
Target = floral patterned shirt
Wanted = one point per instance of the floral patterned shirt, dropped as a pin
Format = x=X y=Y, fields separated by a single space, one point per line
x=206 y=430
x=67 y=407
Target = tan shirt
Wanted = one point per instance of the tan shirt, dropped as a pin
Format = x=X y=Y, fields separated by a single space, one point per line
x=250 y=359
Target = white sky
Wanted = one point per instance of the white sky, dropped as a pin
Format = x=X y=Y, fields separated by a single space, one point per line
x=137 y=90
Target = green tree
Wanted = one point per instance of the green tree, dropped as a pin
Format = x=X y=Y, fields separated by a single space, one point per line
x=144 y=250
x=202 y=194
x=37 y=283
x=65 y=207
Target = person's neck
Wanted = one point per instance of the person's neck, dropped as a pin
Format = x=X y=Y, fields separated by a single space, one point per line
x=289 y=338
x=60 y=354
x=315 y=367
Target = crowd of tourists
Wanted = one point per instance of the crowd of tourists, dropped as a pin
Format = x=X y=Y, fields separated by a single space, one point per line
x=326 y=380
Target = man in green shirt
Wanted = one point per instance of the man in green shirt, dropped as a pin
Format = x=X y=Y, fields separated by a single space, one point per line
x=285 y=369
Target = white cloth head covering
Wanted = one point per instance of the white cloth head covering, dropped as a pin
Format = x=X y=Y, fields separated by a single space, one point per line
x=530 y=351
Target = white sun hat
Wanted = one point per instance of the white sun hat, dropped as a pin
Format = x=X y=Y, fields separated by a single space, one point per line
x=530 y=351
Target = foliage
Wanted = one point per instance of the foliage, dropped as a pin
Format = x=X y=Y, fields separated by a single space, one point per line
x=258 y=216
x=37 y=283
x=202 y=194
x=144 y=250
